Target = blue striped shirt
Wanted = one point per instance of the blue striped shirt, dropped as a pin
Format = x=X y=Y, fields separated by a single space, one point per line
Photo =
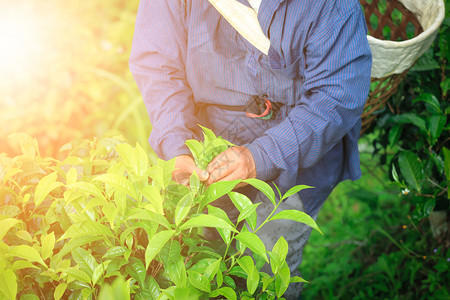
x=188 y=62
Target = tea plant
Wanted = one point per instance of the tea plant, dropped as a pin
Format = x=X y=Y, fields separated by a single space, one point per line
x=413 y=132
x=69 y=227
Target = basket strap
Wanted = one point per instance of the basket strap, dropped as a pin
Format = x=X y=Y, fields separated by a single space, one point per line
x=245 y=20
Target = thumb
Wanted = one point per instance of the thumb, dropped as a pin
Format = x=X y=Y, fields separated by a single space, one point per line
x=202 y=174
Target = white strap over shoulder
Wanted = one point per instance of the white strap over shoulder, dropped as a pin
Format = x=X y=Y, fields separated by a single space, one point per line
x=245 y=20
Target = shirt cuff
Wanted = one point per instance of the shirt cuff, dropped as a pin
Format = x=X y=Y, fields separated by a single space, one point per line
x=174 y=145
x=265 y=170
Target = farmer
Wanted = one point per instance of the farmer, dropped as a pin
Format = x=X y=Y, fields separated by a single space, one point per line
x=292 y=104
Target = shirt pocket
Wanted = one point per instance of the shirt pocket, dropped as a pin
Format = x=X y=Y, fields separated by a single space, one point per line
x=293 y=70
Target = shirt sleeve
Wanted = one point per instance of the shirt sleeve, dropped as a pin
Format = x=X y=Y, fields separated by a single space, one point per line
x=337 y=67
x=157 y=62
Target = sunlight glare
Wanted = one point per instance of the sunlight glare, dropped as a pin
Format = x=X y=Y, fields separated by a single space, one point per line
x=21 y=42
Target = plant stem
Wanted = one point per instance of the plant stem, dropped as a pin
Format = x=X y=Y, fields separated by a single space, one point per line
x=228 y=246
x=268 y=217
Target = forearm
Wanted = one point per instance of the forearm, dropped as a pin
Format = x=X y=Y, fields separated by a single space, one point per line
x=157 y=63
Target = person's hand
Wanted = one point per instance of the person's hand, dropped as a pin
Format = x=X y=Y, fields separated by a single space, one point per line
x=184 y=167
x=233 y=163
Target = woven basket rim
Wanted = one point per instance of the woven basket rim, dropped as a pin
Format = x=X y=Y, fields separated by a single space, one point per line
x=417 y=39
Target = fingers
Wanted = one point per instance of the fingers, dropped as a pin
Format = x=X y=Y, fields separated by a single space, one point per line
x=234 y=163
x=220 y=167
x=202 y=174
x=184 y=167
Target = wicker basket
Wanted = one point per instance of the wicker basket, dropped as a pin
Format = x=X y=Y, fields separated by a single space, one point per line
x=394 y=56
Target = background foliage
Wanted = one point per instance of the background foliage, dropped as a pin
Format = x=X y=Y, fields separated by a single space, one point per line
x=78 y=85
x=387 y=235
x=378 y=238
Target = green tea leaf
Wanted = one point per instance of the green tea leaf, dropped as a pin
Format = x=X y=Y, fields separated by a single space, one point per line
x=220 y=213
x=71 y=176
x=217 y=190
x=436 y=124
x=206 y=221
x=117 y=181
x=196 y=149
x=27 y=144
x=278 y=254
x=29 y=297
x=77 y=242
x=249 y=214
x=88 y=189
x=239 y=200
x=177 y=272
x=141 y=164
x=424 y=208
x=411 y=119
x=199 y=281
x=114 y=252
x=118 y=290
x=153 y=287
x=59 y=290
x=253 y=242
x=48 y=244
x=230 y=282
x=23 y=264
x=127 y=155
x=445 y=86
x=247 y=264
x=298 y=216
x=204 y=249
x=152 y=194
x=86 y=262
x=46 y=185
x=77 y=274
x=156 y=173
x=137 y=270
x=282 y=280
x=194 y=183
x=183 y=208
x=263 y=187
x=24 y=235
x=185 y=293
x=446 y=152
x=6 y=225
x=86 y=228
x=156 y=244
x=431 y=102
x=120 y=199
x=395 y=174
x=295 y=190
x=297 y=279
x=217 y=212
x=141 y=214
x=11 y=211
x=219 y=278
x=227 y=292
x=8 y=284
x=10 y=173
x=27 y=253
x=208 y=135
x=212 y=270
x=266 y=280
x=99 y=271
x=170 y=252
x=411 y=169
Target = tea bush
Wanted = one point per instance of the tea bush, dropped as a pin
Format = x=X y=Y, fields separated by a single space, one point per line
x=388 y=233
x=70 y=226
